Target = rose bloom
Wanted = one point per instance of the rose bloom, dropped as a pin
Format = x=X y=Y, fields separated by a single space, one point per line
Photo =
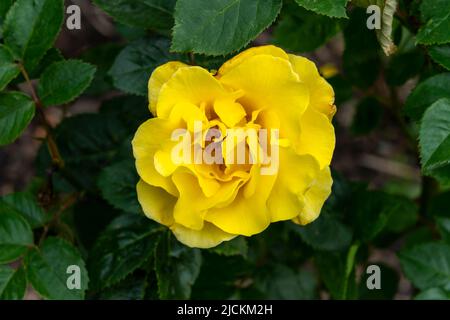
x=261 y=88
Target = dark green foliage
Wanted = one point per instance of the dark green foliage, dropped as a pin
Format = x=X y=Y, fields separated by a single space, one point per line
x=300 y=30
x=224 y=26
x=80 y=213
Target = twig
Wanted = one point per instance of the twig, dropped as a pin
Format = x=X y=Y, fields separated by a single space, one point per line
x=43 y=235
x=52 y=147
x=56 y=219
x=68 y=202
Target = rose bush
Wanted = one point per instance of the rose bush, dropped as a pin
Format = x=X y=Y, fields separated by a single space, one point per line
x=95 y=189
x=262 y=87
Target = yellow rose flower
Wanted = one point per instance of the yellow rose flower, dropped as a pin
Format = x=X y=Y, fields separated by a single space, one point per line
x=205 y=204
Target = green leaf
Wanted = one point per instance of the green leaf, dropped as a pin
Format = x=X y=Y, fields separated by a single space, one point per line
x=426 y=93
x=16 y=112
x=427 y=265
x=13 y=283
x=436 y=17
x=8 y=68
x=132 y=33
x=434 y=138
x=404 y=215
x=404 y=66
x=218 y=276
x=31 y=28
x=280 y=282
x=131 y=288
x=91 y=215
x=6 y=274
x=4 y=7
x=212 y=62
x=441 y=55
x=361 y=58
x=384 y=211
x=331 y=8
x=177 y=267
x=220 y=26
x=149 y=14
x=349 y=286
x=132 y=111
x=375 y=207
x=25 y=204
x=118 y=186
x=389 y=280
x=342 y=89
x=340 y=284
x=326 y=233
x=433 y=294
x=52 y=56
x=237 y=246
x=102 y=57
x=301 y=31
x=367 y=117
x=88 y=143
x=276 y=243
x=126 y=244
x=47 y=270
x=15 y=235
x=443 y=224
x=134 y=64
x=64 y=81
x=418 y=236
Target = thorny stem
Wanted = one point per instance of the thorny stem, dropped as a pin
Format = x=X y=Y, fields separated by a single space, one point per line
x=68 y=202
x=56 y=219
x=52 y=147
x=43 y=235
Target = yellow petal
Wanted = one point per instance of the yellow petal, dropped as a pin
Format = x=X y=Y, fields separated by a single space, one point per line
x=163 y=161
x=295 y=176
x=315 y=197
x=269 y=119
x=189 y=209
x=192 y=85
x=150 y=137
x=158 y=78
x=183 y=115
x=156 y=203
x=270 y=83
x=238 y=59
x=188 y=113
x=321 y=92
x=192 y=203
x=209 y=236
x=245 y=216
x=317 y=137
x=230 y=112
